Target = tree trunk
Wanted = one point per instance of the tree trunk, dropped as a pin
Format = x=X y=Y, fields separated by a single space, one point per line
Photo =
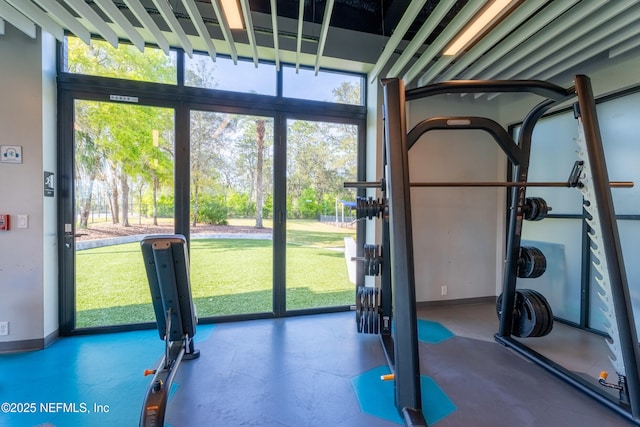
x=140 y=204
x=156 y=184
x=115 y=207
x=259 y=164
x=86 y=209
x=124 y=186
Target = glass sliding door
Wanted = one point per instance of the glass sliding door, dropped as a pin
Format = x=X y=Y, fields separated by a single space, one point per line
x=231 y=193
x=320 y=157
x=124 y=181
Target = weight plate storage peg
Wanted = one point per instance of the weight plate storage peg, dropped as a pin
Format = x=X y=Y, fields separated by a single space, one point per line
x=532 y=263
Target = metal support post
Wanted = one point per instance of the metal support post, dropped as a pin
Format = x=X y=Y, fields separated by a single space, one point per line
x=405 y=336
x=612 y=249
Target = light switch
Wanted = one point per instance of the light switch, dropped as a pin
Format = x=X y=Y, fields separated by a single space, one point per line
x=23 y=221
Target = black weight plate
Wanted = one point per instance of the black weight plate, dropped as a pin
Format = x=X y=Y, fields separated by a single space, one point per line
x=359 y=303
x=516 y=311
x=535 y=209
x=526 y=322
x=532 y=263
x=540 y=313
x=530 y=209
x=545 y=312
x=539 y=262
x=536 y=311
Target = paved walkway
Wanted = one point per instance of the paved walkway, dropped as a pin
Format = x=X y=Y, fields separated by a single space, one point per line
x=98 y=243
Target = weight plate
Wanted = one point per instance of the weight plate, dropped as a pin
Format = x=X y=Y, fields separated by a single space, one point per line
x=532 y=263
x=544 y=311
x=535 y=209
x=527 y=321
x=539 y=317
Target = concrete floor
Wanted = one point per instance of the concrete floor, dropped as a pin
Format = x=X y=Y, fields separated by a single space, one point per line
x=299 y=371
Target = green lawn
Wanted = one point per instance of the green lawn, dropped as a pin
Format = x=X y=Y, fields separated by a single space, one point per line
x=228 y=276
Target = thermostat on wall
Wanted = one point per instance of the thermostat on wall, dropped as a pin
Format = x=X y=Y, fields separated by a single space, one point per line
x=11 y=154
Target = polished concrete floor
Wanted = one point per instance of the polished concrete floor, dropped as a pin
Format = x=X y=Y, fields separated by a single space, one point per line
x=302 y=371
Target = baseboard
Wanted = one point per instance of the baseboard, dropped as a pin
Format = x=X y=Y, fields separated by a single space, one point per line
x=28 y=345
x=453 y=302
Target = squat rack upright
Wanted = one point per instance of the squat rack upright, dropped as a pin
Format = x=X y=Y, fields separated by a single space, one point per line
x=398 y=290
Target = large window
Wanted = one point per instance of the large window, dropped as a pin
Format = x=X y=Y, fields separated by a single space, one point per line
x=254 y=182
x=223 y=74
x=124 y=162
x=125 y=62
x=324 y=86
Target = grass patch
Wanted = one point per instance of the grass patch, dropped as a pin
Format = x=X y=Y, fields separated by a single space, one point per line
x=228 y=276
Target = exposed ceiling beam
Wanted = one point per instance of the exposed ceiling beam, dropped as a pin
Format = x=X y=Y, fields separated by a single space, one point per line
x=167 y=13
x=112 y=11
x=39 y=17
x=556 y=38
x=461 y=19
x=143 y=17
x=201 y=28
x=418 y=40
x=593 y=49
x=533 y=25
x=621 y=48
x=299 y=34
x=66 y=19
x=506 y=26
x=17 y=19
x=226 y=31
x=248 y=25
x=84 y=10
x=627 y=22
x=274 y=25
x=326 y=20
x=407 y=19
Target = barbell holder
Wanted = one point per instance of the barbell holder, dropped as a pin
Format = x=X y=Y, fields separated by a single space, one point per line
x=374 y=184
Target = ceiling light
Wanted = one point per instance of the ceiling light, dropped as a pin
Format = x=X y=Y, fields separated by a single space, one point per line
x=232 y=12
x=478 y=25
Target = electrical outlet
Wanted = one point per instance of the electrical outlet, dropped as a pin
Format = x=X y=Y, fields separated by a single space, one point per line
x=443 y=290
x=4 y=328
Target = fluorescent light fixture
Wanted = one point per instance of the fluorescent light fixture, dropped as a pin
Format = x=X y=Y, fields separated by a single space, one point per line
x=478 y=25
x=232 y=12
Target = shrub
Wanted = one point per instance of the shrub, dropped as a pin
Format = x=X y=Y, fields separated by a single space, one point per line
x=212 y=210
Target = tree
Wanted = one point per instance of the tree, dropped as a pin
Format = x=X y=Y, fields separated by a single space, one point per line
x=260 y=130
x=122 y=134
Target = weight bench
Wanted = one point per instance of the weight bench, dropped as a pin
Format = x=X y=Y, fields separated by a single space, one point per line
x=166 y=262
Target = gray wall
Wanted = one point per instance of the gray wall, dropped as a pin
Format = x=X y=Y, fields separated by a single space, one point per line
x=28 y=256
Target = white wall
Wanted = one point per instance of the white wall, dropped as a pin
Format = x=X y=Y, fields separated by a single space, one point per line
x=456 y=231
x=28 y=260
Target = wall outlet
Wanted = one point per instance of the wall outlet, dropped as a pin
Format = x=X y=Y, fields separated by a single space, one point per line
x=443 y=290
x=4 y=328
